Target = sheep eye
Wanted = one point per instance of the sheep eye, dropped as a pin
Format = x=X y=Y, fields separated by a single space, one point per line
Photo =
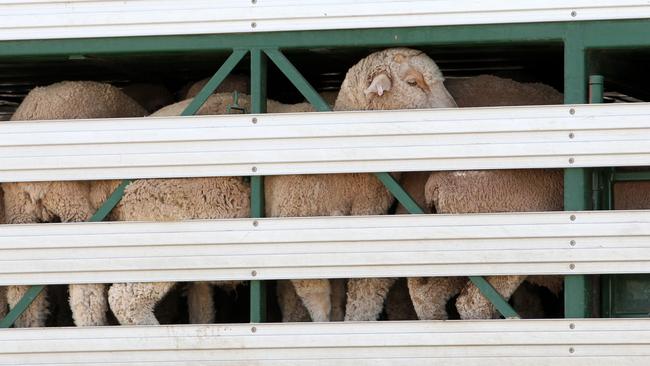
x=412 y=82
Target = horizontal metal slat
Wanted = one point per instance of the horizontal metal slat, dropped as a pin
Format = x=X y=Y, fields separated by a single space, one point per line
x=339 y=142
x=334 y=247
x=489 y=343
x=51 y=19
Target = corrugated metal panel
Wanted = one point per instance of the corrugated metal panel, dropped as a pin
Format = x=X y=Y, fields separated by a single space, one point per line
x=43 y=19
x=372 y=141
x=332 y=247
x=582 y=342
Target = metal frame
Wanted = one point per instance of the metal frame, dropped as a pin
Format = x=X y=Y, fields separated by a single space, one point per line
x=578 y=38
x=582 y=342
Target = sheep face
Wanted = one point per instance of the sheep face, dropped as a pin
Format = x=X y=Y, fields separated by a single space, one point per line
x=396 y=78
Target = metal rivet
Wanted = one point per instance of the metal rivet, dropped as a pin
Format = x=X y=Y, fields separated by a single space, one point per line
x=254 y=120
x=253 y=273
x=254 y=329
x=571 y=350
x=572 y=326
x=254 y=169
x=253 y=25
x=573 y=243
x=572 y=217
x=571 y=135
x=572 y=160
x=255 y=223
x=574 y=13
x=572 y=266
x=572 y=111
x=254 y=1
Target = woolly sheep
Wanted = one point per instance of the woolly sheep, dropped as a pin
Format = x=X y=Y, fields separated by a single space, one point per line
x=397 y=78
x=233 y=82
x=179 y=199
x=4 y=307
x=151 y=96
x=485 y=191
x=63 y=201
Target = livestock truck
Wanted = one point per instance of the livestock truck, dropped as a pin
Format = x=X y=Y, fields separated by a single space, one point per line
x=594 y=52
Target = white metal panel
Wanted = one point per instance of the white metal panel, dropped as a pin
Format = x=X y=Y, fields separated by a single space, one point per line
x=48 y=19
x=335 y=142
x=331 y=247
x=582 y=342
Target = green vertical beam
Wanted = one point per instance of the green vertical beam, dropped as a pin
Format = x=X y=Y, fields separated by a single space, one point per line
x=577 y=182
x=258 y=105
x=214 y=82
x=299 y=81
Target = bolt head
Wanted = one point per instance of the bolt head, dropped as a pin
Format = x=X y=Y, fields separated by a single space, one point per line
x=571 y=135
x=254 y=273
x=571 y=350
x=254 y=169
x=572 y=160
x=254 y=329
x=255 y=223
x=572 y=266
x=572 y=111
x=572 y=326
x=573 y=243
x=574 y=13
x=253 y=25
x=572 y=217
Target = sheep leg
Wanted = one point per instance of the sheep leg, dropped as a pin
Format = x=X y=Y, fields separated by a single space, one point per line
x=200 y=303
x=471 y=304
x=88 y=304
x=315 y=295
x=291 y=306
x=134 y=303
x=36 y=314
x=366 y=298
x=430 y=295
x=338 y=299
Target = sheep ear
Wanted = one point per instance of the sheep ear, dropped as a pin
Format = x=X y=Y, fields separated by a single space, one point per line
x=379 y=85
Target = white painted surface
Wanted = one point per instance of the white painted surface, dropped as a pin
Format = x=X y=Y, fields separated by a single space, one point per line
x=591 y=342
x=331 y=247
x=49 y=19
x=334 y=142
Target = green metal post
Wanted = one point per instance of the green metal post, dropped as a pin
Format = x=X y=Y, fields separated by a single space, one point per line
x=258 y=105
x=577 y=182
x=214 y=82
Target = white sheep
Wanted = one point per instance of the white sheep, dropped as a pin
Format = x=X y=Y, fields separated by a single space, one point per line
x=484 y=191
x=397 y=78
x=179 y=199
x=63 y=201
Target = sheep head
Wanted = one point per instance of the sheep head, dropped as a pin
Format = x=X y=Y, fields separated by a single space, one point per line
x=395 y=78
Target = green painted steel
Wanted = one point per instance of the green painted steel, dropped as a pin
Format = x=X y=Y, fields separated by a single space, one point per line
x=111 y=202
x=577 y=182
x=214 y=82
x=638 y=176
x=299 y=81
x=399 y=193
x=258 y=105
x=495 y=297
x=22 y=305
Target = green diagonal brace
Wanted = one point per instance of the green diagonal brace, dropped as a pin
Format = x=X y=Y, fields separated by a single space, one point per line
x=399 y=193
x=214 y=82
x=34 y=291
x=494 y=297
x=299 y=81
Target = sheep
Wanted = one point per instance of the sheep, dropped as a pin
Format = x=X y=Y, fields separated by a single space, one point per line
x=151 y=96
x=397 y=78
x=63 y=201
x=484 y=191
x=232 y=82
x=179 y=199
x=4 y=307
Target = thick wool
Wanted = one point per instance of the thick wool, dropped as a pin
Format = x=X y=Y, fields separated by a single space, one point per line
x=493 y=191
x=233 y=82
x=63 y=201
x=4 y=307
x=151 y=96
x=179 y=199
x=479 y=91
x=397 y=78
